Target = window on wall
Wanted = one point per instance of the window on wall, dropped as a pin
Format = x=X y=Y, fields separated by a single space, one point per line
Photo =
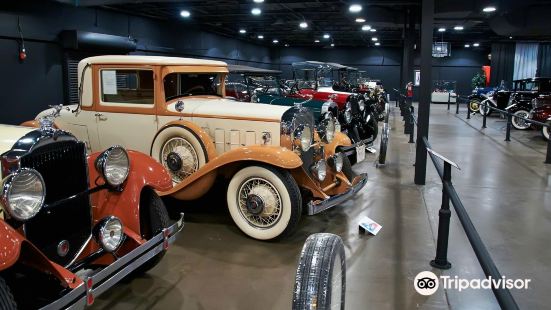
x=127 y=86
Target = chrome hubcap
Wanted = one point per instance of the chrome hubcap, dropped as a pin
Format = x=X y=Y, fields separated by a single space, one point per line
x=180 y=158
x=521 y=122
x=259 y=203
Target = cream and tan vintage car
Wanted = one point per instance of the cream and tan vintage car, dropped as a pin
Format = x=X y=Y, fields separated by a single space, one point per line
x=174 y=109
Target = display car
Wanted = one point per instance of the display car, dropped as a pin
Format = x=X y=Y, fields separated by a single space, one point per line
x=75 y=225
x=520 y=98
x=443 y=91
x=541 y=112
x=477 y=96
x=175 y=110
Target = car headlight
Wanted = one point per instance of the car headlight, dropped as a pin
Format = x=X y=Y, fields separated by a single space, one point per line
x=303 y=136
x=23 y=194
x=114 y=165
x=336 y=161
x=361 y=104
x=348 y=113
x=109 y=233
x=319 y=169
x=327 y=129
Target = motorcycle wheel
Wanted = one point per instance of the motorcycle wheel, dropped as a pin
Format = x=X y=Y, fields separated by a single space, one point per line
x=475 y=105
x=519 y=123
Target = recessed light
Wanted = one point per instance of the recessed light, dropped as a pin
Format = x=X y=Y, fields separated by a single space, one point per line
x=332 y=44
x=242 y=31
x=185 y=13
x=441 y=29
x=286 y=44
x=275 y=41
x=467 y=45
x=489 y=9
x=326 y=36
x=366 y=27
x=360 y=20
x=256 y=11
x=303 y=25
x=374 y=39
x=258 y=1
x=510 y=37
x=377 y=43
x=260 y=36
x=373 y=30
x=316 y=41
x=476 y=44
x=458 y=28
x=355 y=8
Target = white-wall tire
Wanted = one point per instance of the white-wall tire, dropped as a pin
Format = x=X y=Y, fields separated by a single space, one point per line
x=190 y=145
x=519 y=123
x=272 y=187
x=545 y=131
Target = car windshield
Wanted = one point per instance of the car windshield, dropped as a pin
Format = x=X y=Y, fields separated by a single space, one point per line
x=264 y=84
x=192 y=84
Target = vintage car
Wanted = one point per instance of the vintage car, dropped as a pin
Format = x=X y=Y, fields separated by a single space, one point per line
x=520 y=99
x=74 y=225
x=174 y=109
x=541 y=112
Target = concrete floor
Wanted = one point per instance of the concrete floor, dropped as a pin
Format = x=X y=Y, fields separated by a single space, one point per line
x=505 y=187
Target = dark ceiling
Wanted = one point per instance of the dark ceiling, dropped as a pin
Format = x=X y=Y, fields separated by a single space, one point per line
x=280 y=19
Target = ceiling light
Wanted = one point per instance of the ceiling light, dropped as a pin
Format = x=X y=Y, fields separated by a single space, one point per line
x=303 y=25
x=286 y=44
x=326 y=36
x=458 y=28
x=476 y=44
x=374 y=39
x=258 y=1
x=355 y=8
x=242 y=31
x=185 y=13
x=275 y=41
x=332 y=44
x=377 y=43
x=510 y=37
x=489 y=9
x=441 y=29
x=373 y=30
x=467 y=45
x=256 y=11
x=316 y=41
x=260 y=36
x=360 y=20
x=366 y=27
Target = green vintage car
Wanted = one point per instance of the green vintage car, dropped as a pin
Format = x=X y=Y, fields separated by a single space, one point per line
x=265 y=86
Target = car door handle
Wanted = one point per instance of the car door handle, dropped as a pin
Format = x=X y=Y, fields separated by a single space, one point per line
x=101 y=117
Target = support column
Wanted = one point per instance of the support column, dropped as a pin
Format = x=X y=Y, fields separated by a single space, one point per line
x=408 y=39
x=427 y=22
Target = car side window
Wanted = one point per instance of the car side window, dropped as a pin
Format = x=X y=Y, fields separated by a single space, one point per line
x=128 y=86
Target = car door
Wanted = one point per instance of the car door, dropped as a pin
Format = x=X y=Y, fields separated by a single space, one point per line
x=125 y=111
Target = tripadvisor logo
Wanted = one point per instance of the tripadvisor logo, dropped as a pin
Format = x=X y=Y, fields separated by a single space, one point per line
x=426 y=283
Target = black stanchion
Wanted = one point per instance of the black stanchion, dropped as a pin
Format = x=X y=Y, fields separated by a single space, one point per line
x=449 y=101
x=457 y=107
x=468 y=111
x=408 y=120
x=508 y=132
x=483 y=120
x=548 y=156
x=411 y=113
x=441 y=259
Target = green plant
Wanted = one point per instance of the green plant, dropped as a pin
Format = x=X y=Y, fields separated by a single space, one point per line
x=479 y=80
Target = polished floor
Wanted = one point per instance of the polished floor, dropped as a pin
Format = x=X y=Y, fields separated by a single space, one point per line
x=505 y=187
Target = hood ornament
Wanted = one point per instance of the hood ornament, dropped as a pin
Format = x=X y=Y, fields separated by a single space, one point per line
x=47 y=121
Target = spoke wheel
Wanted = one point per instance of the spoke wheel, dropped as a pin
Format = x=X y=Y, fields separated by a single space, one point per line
x=545 y=131
x=259 y=203
x=520 y=123
x=179 y=158
x=475 y=105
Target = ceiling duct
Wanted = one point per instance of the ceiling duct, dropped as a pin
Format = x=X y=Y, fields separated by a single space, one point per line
x=82 y=40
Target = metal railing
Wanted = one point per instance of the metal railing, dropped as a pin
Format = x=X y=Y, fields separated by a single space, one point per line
x=509 y=116
x=502 y=295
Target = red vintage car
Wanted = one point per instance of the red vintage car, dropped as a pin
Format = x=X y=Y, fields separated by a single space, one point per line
x=69 y=233
x=541 y=112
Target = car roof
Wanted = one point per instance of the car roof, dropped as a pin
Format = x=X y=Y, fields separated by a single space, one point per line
x=533 y=79
x=154 y=60
x=251 y=70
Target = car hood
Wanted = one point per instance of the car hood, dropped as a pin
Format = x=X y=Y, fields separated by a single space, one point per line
x=9 y=134
x=230 y=109
x=330 y=90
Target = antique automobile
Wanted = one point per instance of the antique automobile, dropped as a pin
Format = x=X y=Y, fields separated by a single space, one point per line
x=541 y=112
x=477 y=95
x=175 y=110
x=520 y=100
x=74 y=225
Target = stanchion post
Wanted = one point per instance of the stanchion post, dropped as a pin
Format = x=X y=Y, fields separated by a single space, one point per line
x=408 y=119
x=468 y=110
x=483 y=120
x=508 y=132
x=412 y=112
x=548 y=156
x=457 y=107
x=441 y=259
x=449 y=101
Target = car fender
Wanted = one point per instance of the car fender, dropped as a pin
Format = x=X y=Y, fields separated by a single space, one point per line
x=16 y=249
x=35 y=124
x=199 y=132
x=339 y=140
x=125 y=204
x=192 y=187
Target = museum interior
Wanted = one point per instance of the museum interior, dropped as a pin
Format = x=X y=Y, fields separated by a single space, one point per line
x=275 y=154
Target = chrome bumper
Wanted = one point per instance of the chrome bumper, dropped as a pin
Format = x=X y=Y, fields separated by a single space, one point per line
x=351 y=149
x=85 y=294
x=317 y=207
